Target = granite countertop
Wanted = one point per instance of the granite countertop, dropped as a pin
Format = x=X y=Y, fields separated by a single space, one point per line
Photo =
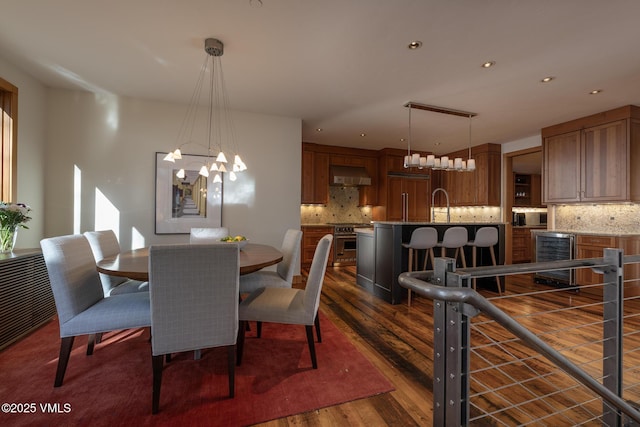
x=587 y=233
x=426 y=223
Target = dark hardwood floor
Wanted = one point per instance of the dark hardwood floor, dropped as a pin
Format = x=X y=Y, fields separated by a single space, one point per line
x=395 y=338
x=398 y=340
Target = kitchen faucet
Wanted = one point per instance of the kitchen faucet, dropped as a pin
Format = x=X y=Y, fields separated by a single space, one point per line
x=433 y=198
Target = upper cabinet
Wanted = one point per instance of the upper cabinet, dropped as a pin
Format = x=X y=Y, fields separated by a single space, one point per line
x=478 y=188
x=315 y=177
x=589 y=159
x=316 y=160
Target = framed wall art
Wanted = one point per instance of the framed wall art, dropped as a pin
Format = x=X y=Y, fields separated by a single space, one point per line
x=184 y=198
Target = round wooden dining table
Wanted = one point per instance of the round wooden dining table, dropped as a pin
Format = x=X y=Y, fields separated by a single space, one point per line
x=135 y=264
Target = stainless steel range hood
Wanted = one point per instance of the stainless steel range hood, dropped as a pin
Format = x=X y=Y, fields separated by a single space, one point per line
x=348 y=176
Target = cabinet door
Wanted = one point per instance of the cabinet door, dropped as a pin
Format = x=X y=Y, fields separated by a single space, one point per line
x=604 y=166
x=562 y=163
x=315 y=178
x=395 y=198
x=418 y=203
x=521 y=245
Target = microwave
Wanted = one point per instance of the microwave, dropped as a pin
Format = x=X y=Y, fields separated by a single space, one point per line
x=535 y=218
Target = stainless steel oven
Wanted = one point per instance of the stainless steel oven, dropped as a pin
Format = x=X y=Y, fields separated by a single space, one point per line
x=344 y=244
x=552 y=246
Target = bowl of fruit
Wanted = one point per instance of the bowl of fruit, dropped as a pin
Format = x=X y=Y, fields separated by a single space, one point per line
x=240 y=240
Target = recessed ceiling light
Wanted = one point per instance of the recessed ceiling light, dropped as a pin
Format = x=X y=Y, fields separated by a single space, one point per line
x=547 y=79
x=595 y=92
x=363 y=134
x=488 y=64
x=402 y=140
x=318 y=129
x=417 y=44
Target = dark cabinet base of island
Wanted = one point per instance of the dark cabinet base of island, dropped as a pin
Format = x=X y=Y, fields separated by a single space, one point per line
x=381 y=258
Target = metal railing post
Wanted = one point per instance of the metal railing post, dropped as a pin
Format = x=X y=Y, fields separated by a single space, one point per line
x=612 y=300
x=451 y=351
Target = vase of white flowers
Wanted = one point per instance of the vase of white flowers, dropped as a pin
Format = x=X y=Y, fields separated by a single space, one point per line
x=12 y=217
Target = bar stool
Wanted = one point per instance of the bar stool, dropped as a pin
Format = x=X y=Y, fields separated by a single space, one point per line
x=486 y=237
x=455 y=238
x=422 y=238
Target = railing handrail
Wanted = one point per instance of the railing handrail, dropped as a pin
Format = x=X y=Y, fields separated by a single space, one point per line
x=417 y=281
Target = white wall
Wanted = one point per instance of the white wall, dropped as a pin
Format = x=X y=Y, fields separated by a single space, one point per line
x=522 y=144
x=112 y=142
x=31 y=141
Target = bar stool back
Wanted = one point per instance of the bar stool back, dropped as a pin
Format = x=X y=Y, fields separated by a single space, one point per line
x=486 y=237
x=422 y=238
x=455 y=238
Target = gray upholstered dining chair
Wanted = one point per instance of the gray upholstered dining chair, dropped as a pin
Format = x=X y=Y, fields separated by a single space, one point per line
x=207 y=235
x=80 y=302
x=104 y=243
x=283 y=276
x=194 y=303
x=289 y=305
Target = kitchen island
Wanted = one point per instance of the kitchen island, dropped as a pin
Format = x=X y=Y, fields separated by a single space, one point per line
x=381 y=257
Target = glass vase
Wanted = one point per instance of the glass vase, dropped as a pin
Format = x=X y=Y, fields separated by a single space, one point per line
x=8 y=237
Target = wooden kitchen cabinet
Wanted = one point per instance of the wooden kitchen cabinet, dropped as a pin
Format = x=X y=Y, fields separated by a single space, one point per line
x=407 y=198
x=315 y=177
x=593 y=246
x=311 y=235
x=316 y=160
x=590 y=159
x=481 y=187
x=521 y=245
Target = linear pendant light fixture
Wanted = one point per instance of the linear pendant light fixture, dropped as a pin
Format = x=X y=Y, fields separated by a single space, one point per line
x=413 y=160
x=220 y=130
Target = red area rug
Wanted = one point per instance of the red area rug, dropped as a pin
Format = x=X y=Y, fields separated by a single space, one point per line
x=113 y=387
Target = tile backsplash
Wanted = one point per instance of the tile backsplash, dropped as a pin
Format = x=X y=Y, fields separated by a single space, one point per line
x=342 y=207
x=598 y=218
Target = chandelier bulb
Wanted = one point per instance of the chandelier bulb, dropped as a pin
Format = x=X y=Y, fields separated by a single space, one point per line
x=169 y=158
x=177 y=154
x=217 y=178
x=232 y=176
x=204 y=171
x=221 y=158
x=180 y=174
x=222 y=168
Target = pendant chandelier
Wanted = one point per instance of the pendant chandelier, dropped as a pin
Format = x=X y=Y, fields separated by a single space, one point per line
x=415 y=160
x=219 y=127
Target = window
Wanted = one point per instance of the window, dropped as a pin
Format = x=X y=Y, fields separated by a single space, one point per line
x=8 y=139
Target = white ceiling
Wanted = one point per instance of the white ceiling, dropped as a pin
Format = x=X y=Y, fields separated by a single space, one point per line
x=344 y=65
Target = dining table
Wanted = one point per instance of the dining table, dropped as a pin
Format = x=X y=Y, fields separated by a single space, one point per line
x=134 y=264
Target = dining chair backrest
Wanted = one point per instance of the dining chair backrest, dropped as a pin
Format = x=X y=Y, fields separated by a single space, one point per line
x=208 y=235
x=104 y=243
x=290 y=254
x=315 y=279
x=73 y=276
x=194 y=296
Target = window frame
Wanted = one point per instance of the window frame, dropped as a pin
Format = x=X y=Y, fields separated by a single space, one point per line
x=8 y=140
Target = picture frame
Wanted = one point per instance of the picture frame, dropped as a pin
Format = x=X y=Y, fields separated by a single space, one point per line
x=185 y=203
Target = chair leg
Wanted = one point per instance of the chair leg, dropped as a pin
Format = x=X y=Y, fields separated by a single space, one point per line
x=240 y=341
x=231 y=358
x=317 y=323
x=66 y=344
x=258 y=329
x=312 y=348
x=99 y=338
x=90 y=344
x=410 y=269
x=464 y=259
x=157 y=362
